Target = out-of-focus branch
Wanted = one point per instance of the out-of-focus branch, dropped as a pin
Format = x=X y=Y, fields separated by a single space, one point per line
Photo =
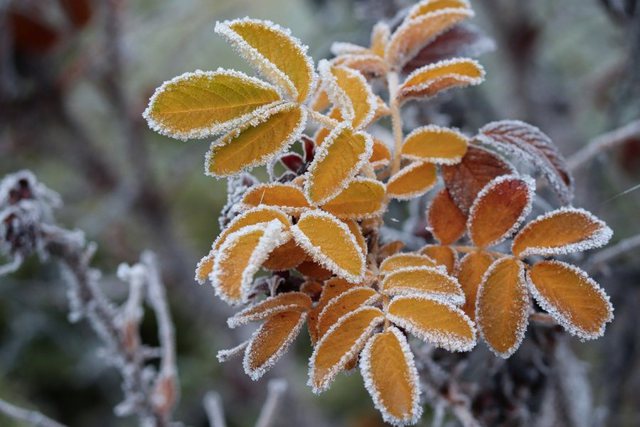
x=601 y=258
x=603 y=143
x=28 y=416
x=213 y=407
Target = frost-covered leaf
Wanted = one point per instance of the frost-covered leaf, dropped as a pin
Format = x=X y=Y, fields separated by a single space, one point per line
x=274 y=52
x=443 y=325
x=522 y=139
x=313 y=270
x=355 y=229
x=256 y=142
x=415 y=33
x=465 y=179
x=204 y=267
x=350 y=92
x=412 y=181
x=502 y=307
x=404 y=260
x=345 y=48
x=322 y=133
x=289 y=301
x=499 y=209
x=286 y=197
x=428 y=81
x=343 y=304
x=369 y=65
x=320 y=100
x=559 y=232
x=380 y=35
x=427 y=6
x=271 y=341
x=446 y=221
x=391 y=378
x=285 y=257
x=313 y=288
x=390 y=248
x=339 y=158
x=292 y=161
x=331 y=289
x=427 y=281
x=574 y=300
x=330 y=243
x=435 y=144
x=442 y=255
x=380 y=155
x=472 y=269
x=240 y=257
x=257 y=215
x=362 y=198
x=341 y=344
x=202 y=104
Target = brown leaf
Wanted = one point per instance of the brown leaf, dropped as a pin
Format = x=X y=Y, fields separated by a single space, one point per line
x=447 y=222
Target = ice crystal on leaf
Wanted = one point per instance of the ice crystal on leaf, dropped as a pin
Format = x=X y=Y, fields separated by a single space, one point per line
x=316 y=232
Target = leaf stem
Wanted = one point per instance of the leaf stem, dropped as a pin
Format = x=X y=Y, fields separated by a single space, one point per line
x=321 y=119
x=396 y=121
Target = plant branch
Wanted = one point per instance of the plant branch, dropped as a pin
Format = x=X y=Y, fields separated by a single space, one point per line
x=599 y=259
x=396 y=121
x=28 y=416
x=215 y=412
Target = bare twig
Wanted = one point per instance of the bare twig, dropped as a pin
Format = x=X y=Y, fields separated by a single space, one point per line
x=602 y=257
x=215 y=412
x=603 y=143
x=28 y=416
x=276 y=389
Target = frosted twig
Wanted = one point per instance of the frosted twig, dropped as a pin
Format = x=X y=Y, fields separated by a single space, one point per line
x=215 y=412
x=604 y=256
x=602 y=143
x=28 y=416
x=276 y=389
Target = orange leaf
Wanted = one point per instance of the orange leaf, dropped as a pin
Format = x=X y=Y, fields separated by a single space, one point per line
x=573 y=299
x=390 y=248
x=499 y=209
x=289 y=301
x=340 y=344
x=253 y=216
x=343 y=304
x=472 y=269
x=337 y=160
x=559 y=232
x=202 y=104
x=432 y=321
x=362 y=198
x=380 y=155
x=380 y=35
x=320 y=100
x=322 y=133
x=331 y=289
x=357 y=233
x=331 y=244
x=427 y=6
x=412 y=181
x=274 y=52
x=312 y=269
x=435 y=144
x=286 y=197
x=432 y=79
x=442 y=255
x=391 y=377
x=369 y=65
x=204 y=267
x=416 y=33
x=446 y=221
x=502 y=308
x=240 y=257
x=271 y=341
x=404 y=260
x=254 y=144
x=285 y=257
x=428 y=281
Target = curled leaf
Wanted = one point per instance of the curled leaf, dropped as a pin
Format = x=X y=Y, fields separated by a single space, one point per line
x=256 y=215
x=289 y=301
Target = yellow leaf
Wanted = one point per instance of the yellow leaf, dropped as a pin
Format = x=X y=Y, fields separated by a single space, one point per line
x=369 y=65
x=499 y=209
x=339 y=158
x=240 y=257
x=350 y=92
x=357 y=233
x=322 y=133
x=343 y=304
x=201 y=104
x=380 y=155
x=274 y=52
x=253 y=216
x=362 y=198
x=427 y=6
x=390 y=248
x=412 y=181
x=404 y=260
x=271 y=341
x=573 y=299
x=340 y=344
x=562 y=231
x=380 y=38
x=289 y=301
x=432 y=79
x=391 y=377
x=286 y=197
x=254 y=144
x=416 y=33
x=435 y=322
x=435 y=144
x=204 y=267
x=428 y=281
x=502 y=308
x=472 y=269
x=285 y=257
x=447 y=222
x=331 y=289
x=320 y=100
x=330 y=243
x=442 y=255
